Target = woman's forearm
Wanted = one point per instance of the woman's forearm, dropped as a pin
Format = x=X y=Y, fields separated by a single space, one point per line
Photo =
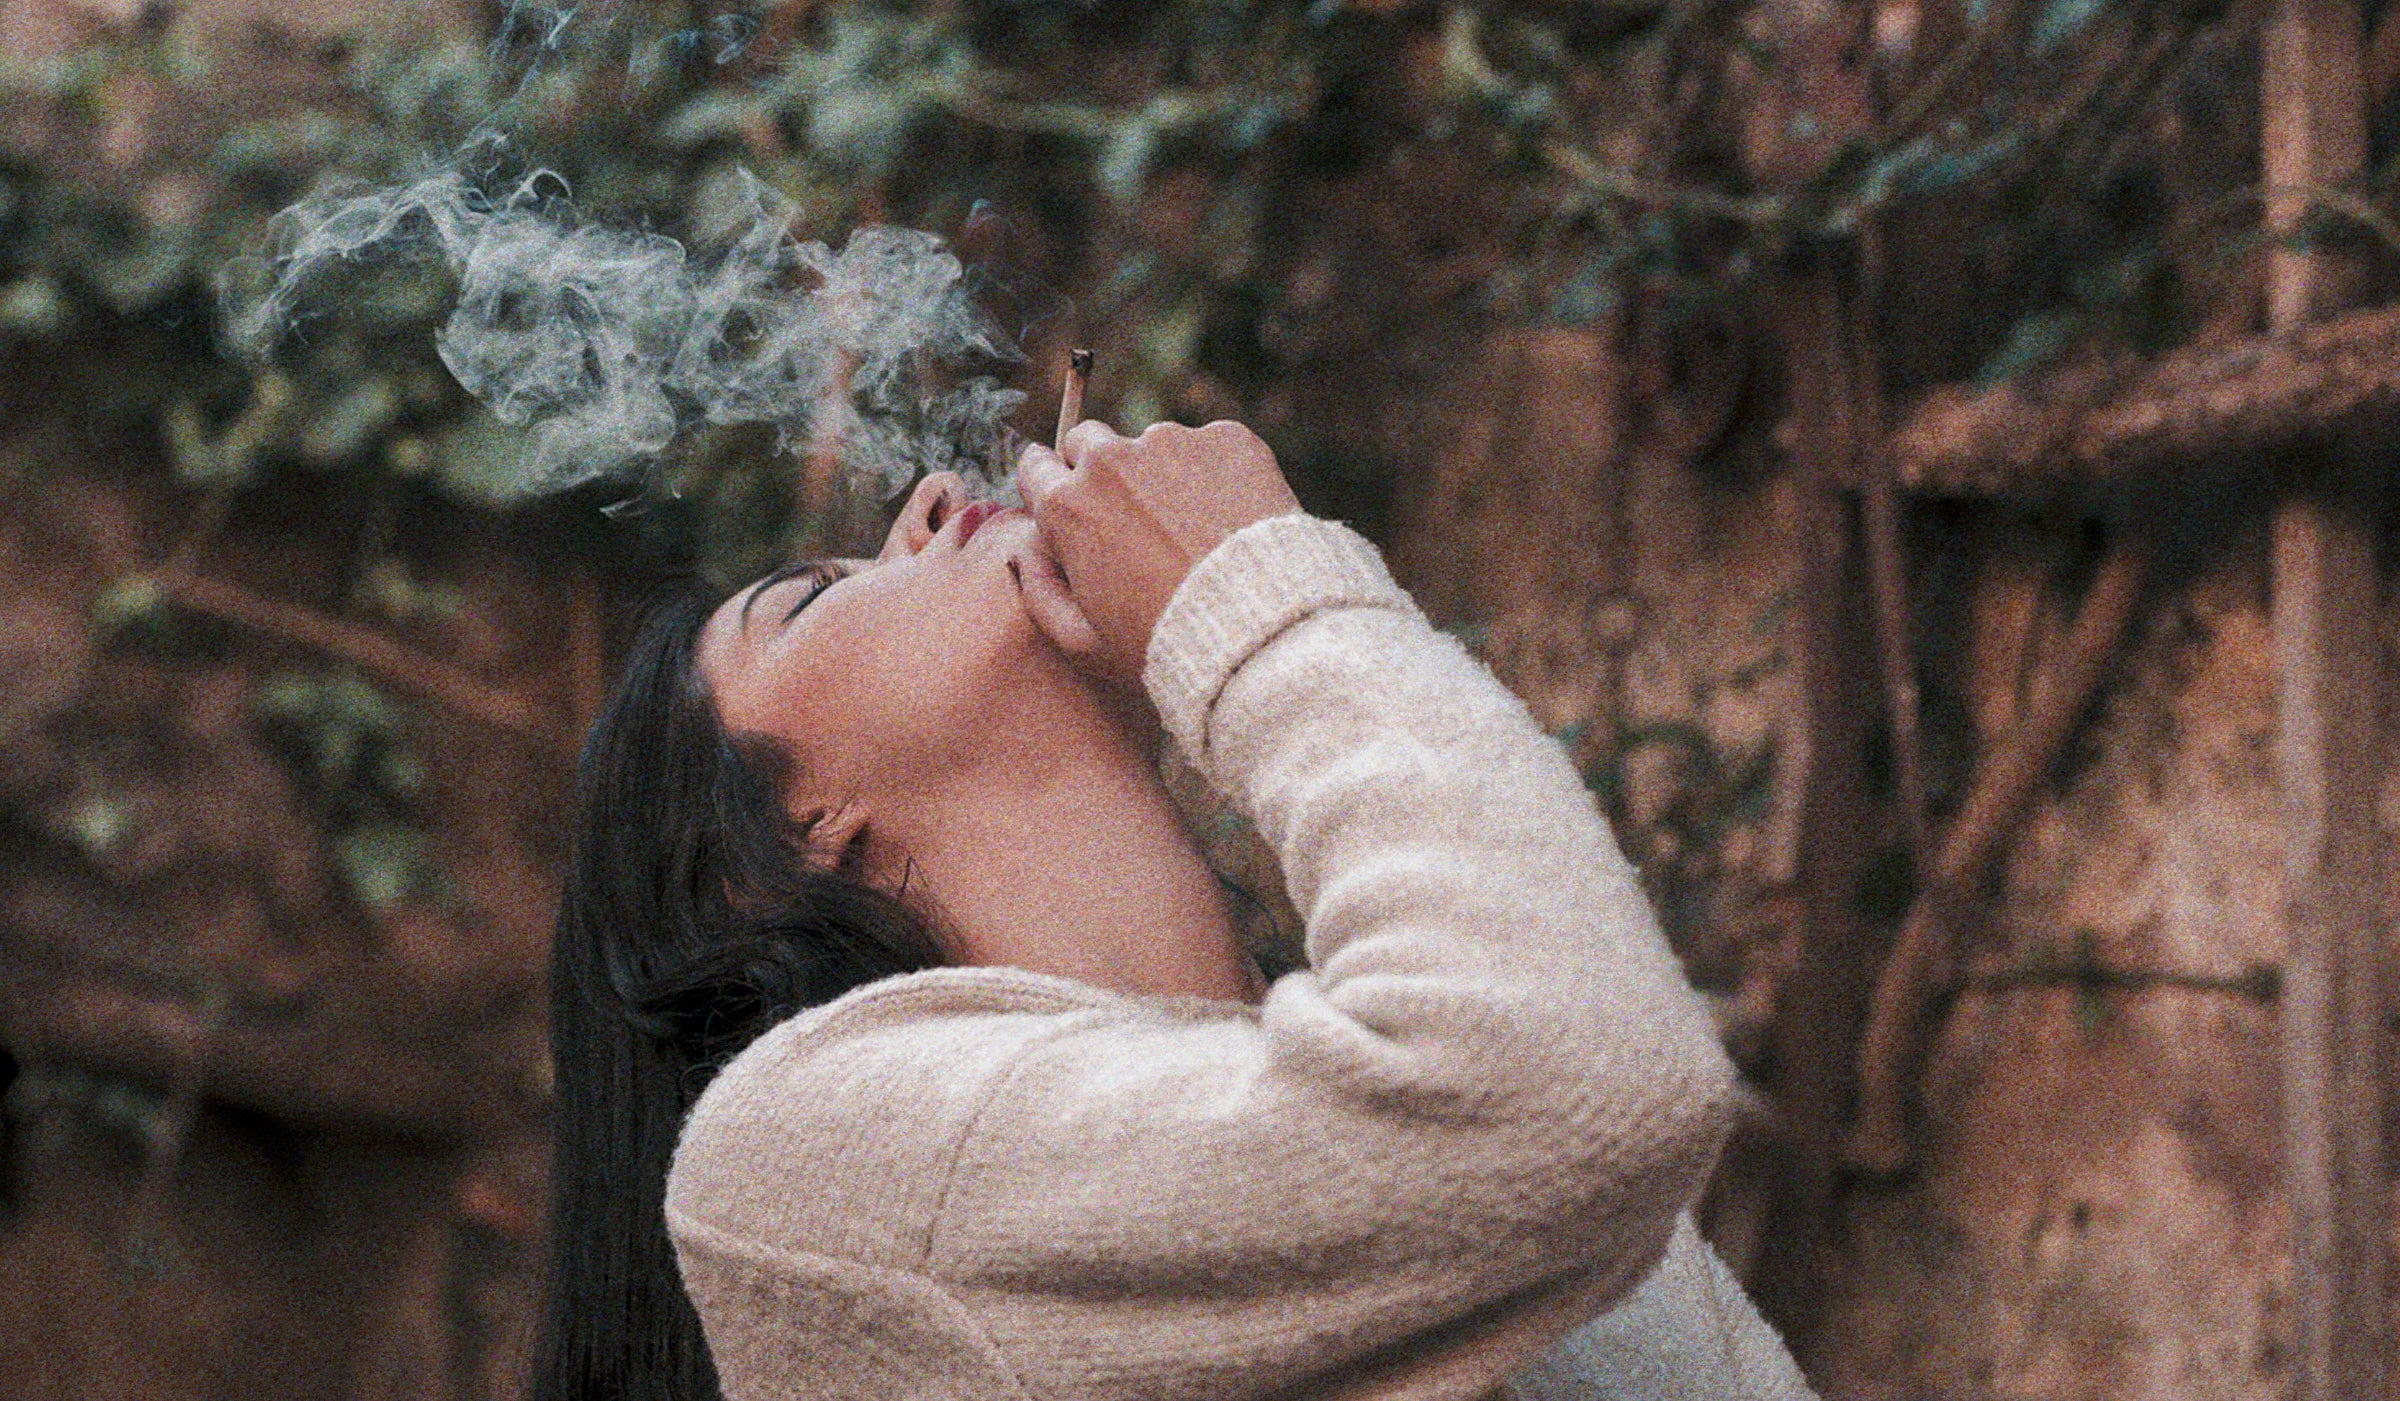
x=1477 y=943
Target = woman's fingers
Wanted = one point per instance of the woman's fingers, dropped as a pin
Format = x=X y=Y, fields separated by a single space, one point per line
x=1088 y=438
x=1040 y=473
x=1043 y=473
x=1126 y=518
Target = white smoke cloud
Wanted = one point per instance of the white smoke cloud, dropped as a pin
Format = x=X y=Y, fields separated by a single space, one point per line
x=608 y=343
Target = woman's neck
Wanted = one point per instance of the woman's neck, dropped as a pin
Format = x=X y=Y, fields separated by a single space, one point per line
x=1079 y=867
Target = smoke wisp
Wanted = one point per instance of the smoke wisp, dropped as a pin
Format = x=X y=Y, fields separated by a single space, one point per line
x=608 y=343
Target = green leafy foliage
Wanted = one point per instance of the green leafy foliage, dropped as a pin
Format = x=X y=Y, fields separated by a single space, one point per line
x=646 y=116
x=1159 y=196
x=352 y=744
x=2061 y=20
x=915 y=112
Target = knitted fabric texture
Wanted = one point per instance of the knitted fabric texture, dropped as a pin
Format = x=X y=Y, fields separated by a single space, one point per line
x=1470 y=1124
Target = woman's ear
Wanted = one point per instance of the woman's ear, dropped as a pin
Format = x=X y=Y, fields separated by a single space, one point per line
x=834 y=833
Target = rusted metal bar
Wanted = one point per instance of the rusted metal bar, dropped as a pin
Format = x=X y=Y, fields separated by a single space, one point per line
x=1887 y=559
x=2003 y=783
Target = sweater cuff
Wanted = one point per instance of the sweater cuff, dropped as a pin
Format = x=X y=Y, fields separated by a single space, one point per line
x=1257 y=582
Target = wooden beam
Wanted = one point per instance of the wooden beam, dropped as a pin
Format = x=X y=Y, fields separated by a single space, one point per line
x=2328 y=755
x=2104 y=425
x=387 y=660
x=1823 y=1003
x=2327 y=600
x=355 y=1041
x=1820 y=98
x=2313 y=121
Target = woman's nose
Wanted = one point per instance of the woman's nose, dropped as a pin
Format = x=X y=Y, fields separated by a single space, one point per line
x=928 y=506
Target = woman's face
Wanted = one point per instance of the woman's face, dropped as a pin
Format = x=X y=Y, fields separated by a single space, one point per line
x=887 y=675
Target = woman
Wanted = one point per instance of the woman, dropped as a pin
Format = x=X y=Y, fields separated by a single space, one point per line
x=882 y=925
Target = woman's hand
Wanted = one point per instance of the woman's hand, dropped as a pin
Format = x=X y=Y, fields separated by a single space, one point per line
x=1127 y=518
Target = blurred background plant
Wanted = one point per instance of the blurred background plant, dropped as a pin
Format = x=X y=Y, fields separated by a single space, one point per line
x=1153 y=141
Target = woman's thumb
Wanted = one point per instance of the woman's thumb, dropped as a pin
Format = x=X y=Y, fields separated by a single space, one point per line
x=1052 y=608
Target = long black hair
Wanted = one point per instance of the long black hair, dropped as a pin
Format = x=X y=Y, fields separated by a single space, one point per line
x=692 y=920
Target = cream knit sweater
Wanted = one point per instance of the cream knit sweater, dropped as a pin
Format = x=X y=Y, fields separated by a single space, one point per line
x=1471 y=1124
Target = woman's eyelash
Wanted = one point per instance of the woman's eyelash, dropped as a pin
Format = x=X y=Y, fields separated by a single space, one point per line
x=819 y=578
x=818 y=574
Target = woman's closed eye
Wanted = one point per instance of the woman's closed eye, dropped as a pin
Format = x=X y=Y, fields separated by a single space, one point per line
x=814 y=576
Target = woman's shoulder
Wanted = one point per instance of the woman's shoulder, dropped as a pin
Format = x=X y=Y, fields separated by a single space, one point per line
x=911 y=998
x=955 y=1004
x=867 y=1099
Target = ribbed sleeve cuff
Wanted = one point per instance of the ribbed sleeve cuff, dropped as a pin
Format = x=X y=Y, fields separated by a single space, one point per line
x=1259 y=581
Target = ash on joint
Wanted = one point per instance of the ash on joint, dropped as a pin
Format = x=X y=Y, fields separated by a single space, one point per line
x=607 y=343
